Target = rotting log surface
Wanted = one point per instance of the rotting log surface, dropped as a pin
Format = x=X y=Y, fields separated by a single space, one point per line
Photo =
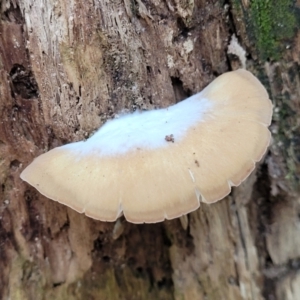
x=65 y=68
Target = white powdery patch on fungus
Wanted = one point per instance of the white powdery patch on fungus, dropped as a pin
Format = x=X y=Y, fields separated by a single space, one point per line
x=158 y=164
x=145 y=130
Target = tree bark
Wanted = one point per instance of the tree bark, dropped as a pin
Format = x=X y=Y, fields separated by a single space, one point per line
x=68 y=66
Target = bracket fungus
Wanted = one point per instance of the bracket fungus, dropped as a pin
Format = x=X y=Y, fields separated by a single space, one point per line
x=129 y=166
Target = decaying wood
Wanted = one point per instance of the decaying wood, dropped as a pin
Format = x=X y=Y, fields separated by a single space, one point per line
x=68 y=66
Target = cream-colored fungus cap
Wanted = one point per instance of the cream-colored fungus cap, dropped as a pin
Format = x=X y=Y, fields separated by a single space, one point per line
x=159 y=164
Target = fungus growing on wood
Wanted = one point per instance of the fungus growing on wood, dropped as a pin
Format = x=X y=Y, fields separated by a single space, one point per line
x=129 y=167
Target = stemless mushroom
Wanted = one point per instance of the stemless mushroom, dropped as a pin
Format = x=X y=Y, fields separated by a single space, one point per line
x=130 y=166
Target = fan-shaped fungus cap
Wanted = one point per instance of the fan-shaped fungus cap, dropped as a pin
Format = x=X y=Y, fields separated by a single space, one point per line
x=156 y=164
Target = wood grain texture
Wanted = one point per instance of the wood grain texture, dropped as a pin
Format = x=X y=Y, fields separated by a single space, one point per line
x=65 y=68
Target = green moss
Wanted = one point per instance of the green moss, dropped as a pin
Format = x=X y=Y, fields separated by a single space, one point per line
x=274 y=23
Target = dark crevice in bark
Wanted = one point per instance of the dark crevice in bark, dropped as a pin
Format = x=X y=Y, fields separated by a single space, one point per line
x=13 y=14
x=231 y=30
x=23 y=82
x=232 y=27
x=261 y=210
x=183 y=30
x=179 y=91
